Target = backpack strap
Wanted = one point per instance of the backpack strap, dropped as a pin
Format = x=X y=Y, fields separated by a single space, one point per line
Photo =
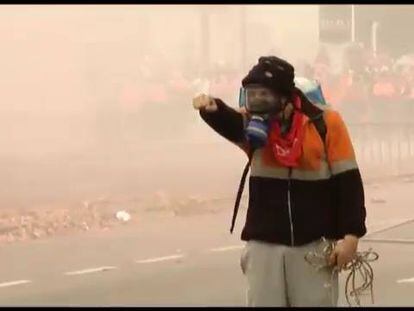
x=240 y=192
x=322 y=129
x=320 y=125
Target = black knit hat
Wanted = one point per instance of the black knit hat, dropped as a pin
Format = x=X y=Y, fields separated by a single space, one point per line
x=274 y=73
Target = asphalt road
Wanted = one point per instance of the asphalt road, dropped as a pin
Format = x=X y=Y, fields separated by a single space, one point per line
x=182 y=261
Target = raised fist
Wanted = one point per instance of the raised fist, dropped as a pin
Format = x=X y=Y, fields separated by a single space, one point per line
x=204 y=102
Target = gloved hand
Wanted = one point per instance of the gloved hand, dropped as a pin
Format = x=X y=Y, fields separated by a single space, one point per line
x=204 y=102
x=344 y=251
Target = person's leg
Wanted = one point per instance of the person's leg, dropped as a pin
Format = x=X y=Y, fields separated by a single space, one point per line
x=307 y=286
x=262 y=263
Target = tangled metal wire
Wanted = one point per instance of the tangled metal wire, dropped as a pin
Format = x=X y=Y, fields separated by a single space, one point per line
x=360 y=265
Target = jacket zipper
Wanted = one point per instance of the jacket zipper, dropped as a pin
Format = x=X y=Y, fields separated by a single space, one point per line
x=292 y=237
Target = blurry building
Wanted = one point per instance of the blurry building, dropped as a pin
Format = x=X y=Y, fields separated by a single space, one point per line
x=392 y=34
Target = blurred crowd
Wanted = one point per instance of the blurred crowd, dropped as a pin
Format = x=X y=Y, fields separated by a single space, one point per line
x=162 y=95
x=368 y=88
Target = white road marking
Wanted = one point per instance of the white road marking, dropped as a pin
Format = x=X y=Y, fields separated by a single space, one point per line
x=158 y=259
x=226 y=248
x=91 y=270
x=406 y=280
x=13 y=283
x=406 y=241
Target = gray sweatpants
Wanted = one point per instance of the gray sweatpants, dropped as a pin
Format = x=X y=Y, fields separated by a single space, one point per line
x=278 y=275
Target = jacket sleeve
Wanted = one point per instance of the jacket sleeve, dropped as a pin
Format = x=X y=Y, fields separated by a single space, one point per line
x=346 y=178
x=227 y=122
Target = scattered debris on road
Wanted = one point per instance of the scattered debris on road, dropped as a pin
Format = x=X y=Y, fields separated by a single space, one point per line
x=100 y=214
x=123 y=216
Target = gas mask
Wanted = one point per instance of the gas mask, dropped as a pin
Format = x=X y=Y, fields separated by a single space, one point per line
x=262 y=104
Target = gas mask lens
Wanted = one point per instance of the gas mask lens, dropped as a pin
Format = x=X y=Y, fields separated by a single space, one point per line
x=258 y=100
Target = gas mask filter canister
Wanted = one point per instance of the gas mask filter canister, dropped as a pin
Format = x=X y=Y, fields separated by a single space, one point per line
x=261 y=104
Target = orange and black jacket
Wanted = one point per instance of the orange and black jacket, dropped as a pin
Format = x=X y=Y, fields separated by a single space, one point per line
x=322 y=197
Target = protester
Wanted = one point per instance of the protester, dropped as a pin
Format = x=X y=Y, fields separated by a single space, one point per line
x=304 y=185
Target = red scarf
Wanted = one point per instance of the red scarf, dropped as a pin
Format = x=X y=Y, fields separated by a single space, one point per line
x=288 y=149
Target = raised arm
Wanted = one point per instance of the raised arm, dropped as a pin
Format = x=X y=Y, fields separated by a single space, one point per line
x=225 y=120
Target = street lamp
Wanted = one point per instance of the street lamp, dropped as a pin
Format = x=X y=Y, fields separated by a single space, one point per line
x=353 y=23
x=374 y=30
x=205 y=41
x=243 y=36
